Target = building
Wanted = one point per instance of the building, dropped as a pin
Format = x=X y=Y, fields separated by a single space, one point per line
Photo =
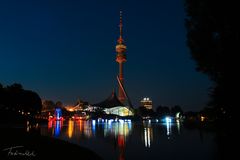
x=112 y=105
x=79 y=106
x=146 y=102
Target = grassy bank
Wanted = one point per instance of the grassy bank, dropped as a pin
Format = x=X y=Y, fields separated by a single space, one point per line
x=34 y=146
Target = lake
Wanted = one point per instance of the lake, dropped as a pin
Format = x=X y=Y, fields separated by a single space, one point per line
x=124 y=139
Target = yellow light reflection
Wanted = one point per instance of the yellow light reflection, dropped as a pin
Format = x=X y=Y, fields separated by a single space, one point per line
x=70 y=128
x=81 y=126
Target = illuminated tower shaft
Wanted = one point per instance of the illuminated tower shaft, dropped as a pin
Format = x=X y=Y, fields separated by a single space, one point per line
x=121 y=58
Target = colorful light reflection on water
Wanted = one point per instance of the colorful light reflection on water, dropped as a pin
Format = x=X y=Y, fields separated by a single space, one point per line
x=109 y=129
x=117 y=139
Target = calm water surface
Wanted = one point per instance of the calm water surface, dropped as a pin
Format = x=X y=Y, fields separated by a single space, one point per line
x=135 y=140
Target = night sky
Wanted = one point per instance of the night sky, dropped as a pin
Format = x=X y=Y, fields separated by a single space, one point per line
x=65 y=49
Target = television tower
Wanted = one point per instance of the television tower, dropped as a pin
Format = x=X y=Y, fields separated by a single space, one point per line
x=120 y=59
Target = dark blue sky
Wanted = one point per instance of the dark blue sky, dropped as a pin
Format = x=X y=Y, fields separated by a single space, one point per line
x=65 y=49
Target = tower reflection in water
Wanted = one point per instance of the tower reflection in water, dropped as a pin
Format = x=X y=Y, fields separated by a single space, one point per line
x=120 y=130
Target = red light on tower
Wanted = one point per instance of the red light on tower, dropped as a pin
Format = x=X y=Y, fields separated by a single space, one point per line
x=121 y=58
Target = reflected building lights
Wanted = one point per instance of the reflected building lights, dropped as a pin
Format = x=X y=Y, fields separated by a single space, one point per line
x=88 y=129
x=94 y=126
x=168 y=125
x=117 y=128
x=147 y=137
x=81 y=126
x=148 y=134
x=178 y=126
x=70 y=128
x=57 y=128
x=28 y=126
x=50 y=124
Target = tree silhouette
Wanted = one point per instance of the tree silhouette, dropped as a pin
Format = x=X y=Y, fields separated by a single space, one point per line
x=213 y=37
x=16 y=87
x=48 y=105
x=163 y=110
x=14 y=100
x=142 y=111
x=176 y=109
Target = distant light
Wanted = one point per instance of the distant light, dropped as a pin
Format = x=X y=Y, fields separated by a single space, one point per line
x=156 y=120
x=58 y=113
x=202 y=118
x=178 y=115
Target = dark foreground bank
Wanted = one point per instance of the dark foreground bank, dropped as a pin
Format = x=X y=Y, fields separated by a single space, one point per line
x=18 y=144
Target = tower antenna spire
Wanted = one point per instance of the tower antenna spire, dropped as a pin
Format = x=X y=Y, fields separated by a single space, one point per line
x=120 y=40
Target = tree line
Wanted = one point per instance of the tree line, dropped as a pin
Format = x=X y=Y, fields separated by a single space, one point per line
x=160 y=111
x=15 y=99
